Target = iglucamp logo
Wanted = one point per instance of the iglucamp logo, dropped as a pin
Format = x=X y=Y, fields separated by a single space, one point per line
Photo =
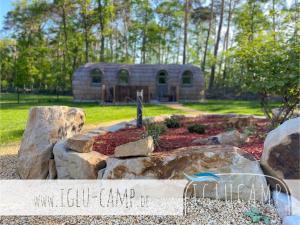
x=233 y=187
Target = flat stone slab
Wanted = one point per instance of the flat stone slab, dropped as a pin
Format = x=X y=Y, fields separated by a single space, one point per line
x=234 y=138
x=141 y=147
x=80 y=143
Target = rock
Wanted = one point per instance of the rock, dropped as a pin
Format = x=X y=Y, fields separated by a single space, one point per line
x=282 y=203
x=239 y=122
x=281 y=154
x=285 y=204
x=100 y=173
x=80 y=143
x=116 y=127
x=137 y=148
x=74 y=165
x=191 y=160
x=52 y=170
x=291 y=220
x=234 y=138
x=45 y=126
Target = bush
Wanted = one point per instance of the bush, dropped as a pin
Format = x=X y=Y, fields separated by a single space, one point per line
x=172 y=123
x=197 y=128
x=155 y=130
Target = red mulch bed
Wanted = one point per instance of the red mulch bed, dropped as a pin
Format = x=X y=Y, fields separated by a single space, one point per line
x=180 y=137
x=107 y=143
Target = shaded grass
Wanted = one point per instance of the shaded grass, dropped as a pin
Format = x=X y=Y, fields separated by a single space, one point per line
x=229 y=106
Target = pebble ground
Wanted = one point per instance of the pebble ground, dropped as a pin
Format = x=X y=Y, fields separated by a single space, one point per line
x=200 y=212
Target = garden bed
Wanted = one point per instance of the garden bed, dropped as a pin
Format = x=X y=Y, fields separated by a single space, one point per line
x=174 y=138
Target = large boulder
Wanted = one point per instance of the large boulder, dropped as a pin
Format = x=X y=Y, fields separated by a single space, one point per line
x=142 y=147
x=281 y=154
x=74 y=165
x=229 y=162
x=46 y=125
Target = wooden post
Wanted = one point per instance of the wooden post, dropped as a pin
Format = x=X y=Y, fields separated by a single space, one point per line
x=149 y=94
x=103 y=93
x=139 y=116
x=177 y=93
x=114 y=92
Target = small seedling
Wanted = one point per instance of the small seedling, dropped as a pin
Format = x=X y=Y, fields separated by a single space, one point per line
x=248 y=131
x=155 y=130
x=197 y=128
x=256 y=216
x=172 y=123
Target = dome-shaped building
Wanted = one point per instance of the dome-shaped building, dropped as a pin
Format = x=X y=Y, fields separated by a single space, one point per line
x=120 y=82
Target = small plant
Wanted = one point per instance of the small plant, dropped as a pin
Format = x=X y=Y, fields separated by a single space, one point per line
x=197 y=128
x=155 y=130
x=256 y=216
x=172 y=123
x=248 y=131
x=229 y=129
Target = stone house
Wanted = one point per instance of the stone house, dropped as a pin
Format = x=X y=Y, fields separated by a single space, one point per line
x=119 y=82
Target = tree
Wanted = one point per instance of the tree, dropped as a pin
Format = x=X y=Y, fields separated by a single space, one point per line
x=208 y=34
x=213 y=67
x=187 y=7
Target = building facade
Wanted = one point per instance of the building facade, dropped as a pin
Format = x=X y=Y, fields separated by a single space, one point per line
x=120 y=82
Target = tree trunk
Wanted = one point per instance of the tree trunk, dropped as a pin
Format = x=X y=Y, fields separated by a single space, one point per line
x=226 y=40
x=274 y=20
x=101 y=22
x=144 y=39
x=213 y=67
x=185 y=33
x=86 y=32
x=208 y=35
x=65 y=51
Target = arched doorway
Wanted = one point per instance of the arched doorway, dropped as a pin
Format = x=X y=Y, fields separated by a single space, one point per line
x=162 y=85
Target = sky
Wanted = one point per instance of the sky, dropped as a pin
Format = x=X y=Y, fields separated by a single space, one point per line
x=5 y=6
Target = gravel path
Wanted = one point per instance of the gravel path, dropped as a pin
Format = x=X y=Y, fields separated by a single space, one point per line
x=201 y=212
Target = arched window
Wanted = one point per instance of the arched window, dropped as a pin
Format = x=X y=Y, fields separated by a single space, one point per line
x=162 y=77
x=96 y=76
x=123 y=77
x=187 y=78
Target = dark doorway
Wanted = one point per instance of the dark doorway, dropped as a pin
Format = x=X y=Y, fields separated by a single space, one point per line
x=173 y=96
x=162 y=86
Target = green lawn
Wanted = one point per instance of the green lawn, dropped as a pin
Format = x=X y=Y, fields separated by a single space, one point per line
x=32 y=98
x=229 y=106
x=13 y=116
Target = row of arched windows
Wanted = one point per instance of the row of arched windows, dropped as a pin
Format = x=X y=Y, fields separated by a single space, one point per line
x=123 y=77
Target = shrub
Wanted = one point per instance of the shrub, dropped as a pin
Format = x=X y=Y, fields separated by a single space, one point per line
x=172 y=123
x=155 y=130
x=197 y=128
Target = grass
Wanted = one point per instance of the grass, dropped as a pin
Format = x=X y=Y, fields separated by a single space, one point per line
x=13 y=116
x=12 y=98
x=229 y=106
